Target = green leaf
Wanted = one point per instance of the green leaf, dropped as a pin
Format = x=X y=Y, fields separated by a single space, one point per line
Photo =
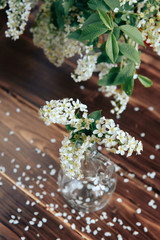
x=92 y=31
x=116 y=32
x=130 y=52
x=69 y=128
x=66 y=5
x=105 y=18
x=124 y=17
x=128 y=85
x=112 y=3
x=96 y=115
x=109 y=78
x=146 y=82
x=128 y=7
x=57 y=11
x=119 y=58
x=127 y=71
x=103 y=58
x=132 y=20
x=112 y=48
x=133 y=33
x=75 y=35
x=98 y=4
x=93 y=18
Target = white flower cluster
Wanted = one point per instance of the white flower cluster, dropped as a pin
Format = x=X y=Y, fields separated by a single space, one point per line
x=83 y=134
x=57 y=46
x=3 y=4
x=120 y=101
x=150 y=26
x=63 y=112
x=123 y=2
x=17 y=15
x=81 y=21
x=115 y=139
x=85 y=66
x=72 y=154
x=54 y=42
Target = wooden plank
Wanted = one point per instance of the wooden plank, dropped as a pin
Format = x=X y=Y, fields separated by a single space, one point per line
x=28 y=75
x=6 y=233
x=35 y=78
x=24 y=121
x=122 y=221
x=24 y=217
x=133 y=194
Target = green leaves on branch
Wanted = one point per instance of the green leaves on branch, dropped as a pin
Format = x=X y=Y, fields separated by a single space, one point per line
x=98 y=4
x=109 y=79
x=101 y=21
x=128 y=85
x=112 y=48
x=57 y=14
x=112 y=3
x=130 y=52
x=123 y=77
x=93 y=18
x=146 y=82
x=105 y=18
x=125 y=73
x=92 y=31
x=133 y=33
x=96 y=25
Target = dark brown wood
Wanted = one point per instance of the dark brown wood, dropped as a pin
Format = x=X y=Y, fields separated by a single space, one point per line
x=6 y=233
x=23 y=208
x=26 y=80
x=22 y=124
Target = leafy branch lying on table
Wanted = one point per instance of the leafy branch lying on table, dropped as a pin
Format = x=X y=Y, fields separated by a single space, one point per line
x=105 y=33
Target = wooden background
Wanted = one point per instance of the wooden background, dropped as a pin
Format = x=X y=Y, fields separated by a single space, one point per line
x=30 y=205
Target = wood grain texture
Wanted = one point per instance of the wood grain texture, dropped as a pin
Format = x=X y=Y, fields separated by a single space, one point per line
x=27 y=156
x=132 y=193
x=44 y=226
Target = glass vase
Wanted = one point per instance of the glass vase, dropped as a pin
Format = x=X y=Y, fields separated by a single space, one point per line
x=94 y=190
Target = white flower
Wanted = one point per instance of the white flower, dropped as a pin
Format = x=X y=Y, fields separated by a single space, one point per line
x=131 y=144
x=131 y=2
x=99 y=130
x=85 y=67
x=120 y=98
x=116 y=10
x=112 y=128
x=109 y=141
x=71 y=163
x=64 y=112
x=121 y=150
x=87 y=122
x=53 y=41
x=17 y=15
x=139 y=147
x=103 y=131
x=149 y=25
x=121 y=136
x=79 y=105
